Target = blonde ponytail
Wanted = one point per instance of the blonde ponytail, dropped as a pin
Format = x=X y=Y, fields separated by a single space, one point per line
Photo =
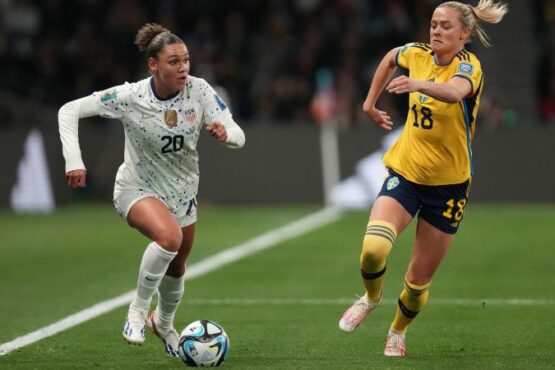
x=471 y=16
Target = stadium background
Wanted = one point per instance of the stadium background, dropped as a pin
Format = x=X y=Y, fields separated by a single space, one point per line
x=264 y=56
x=492 y=299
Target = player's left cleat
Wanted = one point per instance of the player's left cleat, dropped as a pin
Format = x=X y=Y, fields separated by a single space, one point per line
x=395 y=345
x=134 y=328
x=169 y=337
x=353 y=317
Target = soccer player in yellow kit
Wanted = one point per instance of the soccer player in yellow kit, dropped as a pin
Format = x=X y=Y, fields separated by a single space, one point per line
x=430 y=166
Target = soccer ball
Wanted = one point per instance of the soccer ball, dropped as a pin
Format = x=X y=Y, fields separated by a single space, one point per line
x=203 y=343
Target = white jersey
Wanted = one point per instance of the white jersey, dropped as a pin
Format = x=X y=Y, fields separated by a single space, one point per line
x=160 y=134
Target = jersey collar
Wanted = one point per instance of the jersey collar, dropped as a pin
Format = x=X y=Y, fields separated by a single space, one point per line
x=153 y=89
x=446 y=64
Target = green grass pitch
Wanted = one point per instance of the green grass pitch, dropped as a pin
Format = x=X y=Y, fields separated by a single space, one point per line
x=281 y=306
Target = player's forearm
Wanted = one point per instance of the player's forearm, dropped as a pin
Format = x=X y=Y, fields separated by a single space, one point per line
x=445 y=91
x=383 y=74
x=68 y=125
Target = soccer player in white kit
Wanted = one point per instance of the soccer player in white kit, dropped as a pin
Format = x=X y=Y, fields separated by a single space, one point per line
x=156 y=185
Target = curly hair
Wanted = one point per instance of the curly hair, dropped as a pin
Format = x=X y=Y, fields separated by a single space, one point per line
x=152 y=38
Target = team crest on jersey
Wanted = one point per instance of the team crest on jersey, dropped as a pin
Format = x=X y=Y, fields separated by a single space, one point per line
x=392 y=183
x=108 y=96
x=220 y=102
x=422 y=98
x=170 y=118
x=466 y=68
x=189 y=115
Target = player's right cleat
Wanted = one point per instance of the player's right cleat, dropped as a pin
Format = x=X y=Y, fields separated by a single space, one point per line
x=135 y=325
x=353 y=317
x=169 y=337
x=395 y=345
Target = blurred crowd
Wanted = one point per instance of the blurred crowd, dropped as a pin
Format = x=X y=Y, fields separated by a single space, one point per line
x=545 y=79
x=264 y=54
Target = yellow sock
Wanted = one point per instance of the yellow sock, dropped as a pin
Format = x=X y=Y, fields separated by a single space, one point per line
x=411 y=301
x=378 y=241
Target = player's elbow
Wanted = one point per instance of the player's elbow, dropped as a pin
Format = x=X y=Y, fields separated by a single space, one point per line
x=453 y=95
x=451 y=99
x=64 y=109
x=66 y=113
x=457 y=90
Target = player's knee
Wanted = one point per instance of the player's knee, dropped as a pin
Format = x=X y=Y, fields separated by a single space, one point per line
x=417 y=280
x=377 y=244
x=416 y=289
x=375 y=250
x=170 y=239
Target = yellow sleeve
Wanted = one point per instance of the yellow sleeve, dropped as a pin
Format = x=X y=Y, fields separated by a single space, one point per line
x=403 y=56
x=470 y=70
x=407 y=54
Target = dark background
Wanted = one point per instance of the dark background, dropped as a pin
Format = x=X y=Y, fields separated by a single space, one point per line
x=263 y=57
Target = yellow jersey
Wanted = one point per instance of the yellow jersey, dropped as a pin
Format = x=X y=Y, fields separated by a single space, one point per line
x=435 y=145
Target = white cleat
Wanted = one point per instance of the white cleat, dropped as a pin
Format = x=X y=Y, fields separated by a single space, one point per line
x=134 y=328
x=169 y=337
x=353 y=317
x=395 y=345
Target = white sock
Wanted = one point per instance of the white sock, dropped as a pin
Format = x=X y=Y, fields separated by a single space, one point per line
x=153 y=267
x=170 y=292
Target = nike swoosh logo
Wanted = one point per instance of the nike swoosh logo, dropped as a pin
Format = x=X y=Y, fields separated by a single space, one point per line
x=150 y=279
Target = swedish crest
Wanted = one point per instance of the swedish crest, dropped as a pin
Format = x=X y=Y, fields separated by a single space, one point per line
x=422 y=98
x=392 y=183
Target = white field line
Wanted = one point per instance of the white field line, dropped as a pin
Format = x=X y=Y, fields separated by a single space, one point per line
x=296 y=228
x=348 y=301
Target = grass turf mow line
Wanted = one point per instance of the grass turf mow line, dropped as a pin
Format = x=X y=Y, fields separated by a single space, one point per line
x=270 y=239
x=347 y=301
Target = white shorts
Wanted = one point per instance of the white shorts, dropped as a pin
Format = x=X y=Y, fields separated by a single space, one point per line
x=126 y=197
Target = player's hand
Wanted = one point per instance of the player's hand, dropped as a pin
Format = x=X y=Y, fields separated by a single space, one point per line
x=218 y=131
x=76 y=178
x=379 y=117
x=402 y=85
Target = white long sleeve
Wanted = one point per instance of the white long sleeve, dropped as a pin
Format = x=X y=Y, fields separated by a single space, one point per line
x=68 y=125
x=159 y=154
x=235 y=135
x=216 y=110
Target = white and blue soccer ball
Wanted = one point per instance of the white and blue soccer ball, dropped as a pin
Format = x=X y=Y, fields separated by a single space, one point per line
x=203 y=343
